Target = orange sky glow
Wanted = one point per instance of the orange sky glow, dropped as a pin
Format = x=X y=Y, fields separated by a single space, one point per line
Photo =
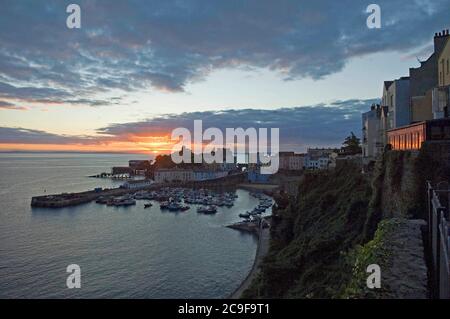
x=130 y=144
x=144 y=145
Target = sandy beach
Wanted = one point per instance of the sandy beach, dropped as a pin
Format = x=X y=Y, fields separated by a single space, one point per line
x=263 y=247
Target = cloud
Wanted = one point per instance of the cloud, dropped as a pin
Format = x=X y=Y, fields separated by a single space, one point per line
x=300 y=127
x=17 y=135
x=315 y=125
x=10 y=106
x=164 y=45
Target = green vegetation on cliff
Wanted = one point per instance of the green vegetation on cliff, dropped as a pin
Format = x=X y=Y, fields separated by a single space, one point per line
x=318 y=239
x=310 y=235
x=374 y=252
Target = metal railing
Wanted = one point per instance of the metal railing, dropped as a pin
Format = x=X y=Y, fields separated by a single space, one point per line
x=438 y=242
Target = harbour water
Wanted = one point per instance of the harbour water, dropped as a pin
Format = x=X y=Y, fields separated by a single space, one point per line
x=123 y=252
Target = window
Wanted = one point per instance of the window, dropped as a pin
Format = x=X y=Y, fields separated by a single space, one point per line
x=415 y=140
x=448 y=67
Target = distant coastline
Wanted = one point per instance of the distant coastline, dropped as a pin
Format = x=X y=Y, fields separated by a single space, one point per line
x=73 y=152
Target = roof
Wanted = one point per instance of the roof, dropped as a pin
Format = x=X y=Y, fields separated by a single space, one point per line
x=407 y=126
x=422 y=63
x=387 y=84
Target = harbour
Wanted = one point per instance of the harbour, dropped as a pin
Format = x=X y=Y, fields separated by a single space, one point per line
x=156 y=253
x=77 y=198
x=174 y=199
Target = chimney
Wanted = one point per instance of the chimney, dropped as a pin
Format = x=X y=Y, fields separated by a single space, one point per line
x=439 y=41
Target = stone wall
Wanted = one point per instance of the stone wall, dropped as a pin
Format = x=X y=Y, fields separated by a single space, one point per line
x=406 y=276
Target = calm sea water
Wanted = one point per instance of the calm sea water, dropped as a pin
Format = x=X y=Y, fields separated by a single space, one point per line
x=123 y=252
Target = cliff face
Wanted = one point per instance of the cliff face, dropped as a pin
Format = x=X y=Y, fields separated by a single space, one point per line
x=308 y=237
x=401 y=180
x=319 y=237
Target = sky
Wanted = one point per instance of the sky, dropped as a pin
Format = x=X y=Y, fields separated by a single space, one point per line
x=136 y=70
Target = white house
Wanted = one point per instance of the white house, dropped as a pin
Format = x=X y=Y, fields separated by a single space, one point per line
x=372 y=144
x=318 y=158
x=317 y=163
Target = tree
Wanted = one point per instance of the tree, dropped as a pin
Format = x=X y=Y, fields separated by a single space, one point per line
x=351 y=145
x=163 y=161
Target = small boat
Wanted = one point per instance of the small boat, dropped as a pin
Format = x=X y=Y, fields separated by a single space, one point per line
x=260 y=209
x=164 y=205
x=127 y=202
x=229 y=203
x=148 y=205
x=101 y=200
x=265 y=203
x=124 y=202
x=201 y=209
x=173 y=207
x=244 y=215
x=210 y=209
x=253 y=212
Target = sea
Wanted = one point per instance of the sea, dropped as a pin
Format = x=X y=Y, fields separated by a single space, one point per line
x=122 y=252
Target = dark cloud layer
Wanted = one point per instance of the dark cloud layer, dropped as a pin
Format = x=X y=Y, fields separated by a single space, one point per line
x=17 y=135
x=130 y=45
x=317 y=125
x=11 y=106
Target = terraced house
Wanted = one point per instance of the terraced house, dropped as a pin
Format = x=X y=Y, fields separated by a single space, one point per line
x=413 y=109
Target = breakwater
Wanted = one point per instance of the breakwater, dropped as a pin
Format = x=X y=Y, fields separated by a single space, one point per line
x=73 y=199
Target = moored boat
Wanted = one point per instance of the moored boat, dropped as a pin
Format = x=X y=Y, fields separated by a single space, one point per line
x=164 y=205
x=244 y=215
x=210 y=209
